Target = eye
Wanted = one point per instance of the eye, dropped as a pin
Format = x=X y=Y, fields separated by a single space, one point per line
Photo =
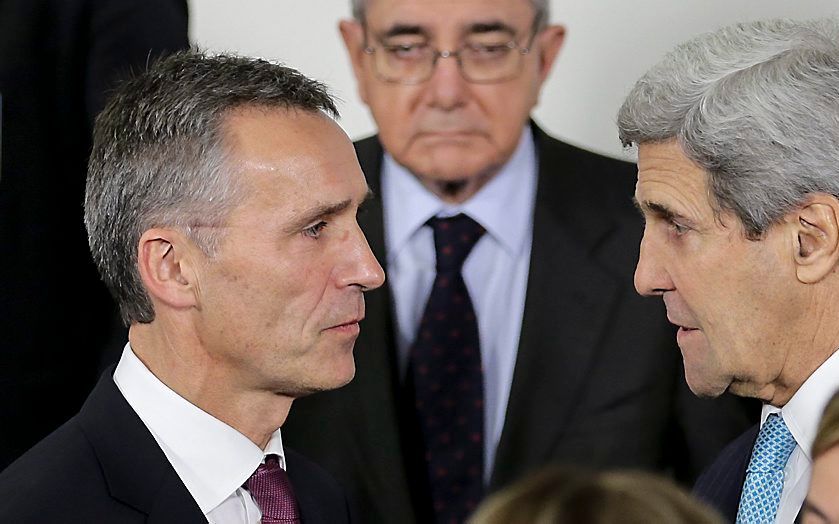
x=314 y=230
x=489 y=51
x=677 y=228
x=406 y=51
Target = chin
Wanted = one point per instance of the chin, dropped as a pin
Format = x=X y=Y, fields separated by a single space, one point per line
x=704 y=387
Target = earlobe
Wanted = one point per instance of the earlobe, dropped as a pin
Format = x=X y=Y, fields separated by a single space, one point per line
x=816 y=241
x=166 y=272
x=352 y=32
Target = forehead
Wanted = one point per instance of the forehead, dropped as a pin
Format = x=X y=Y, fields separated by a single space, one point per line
x=443 y=16
x=667 y=177
x=292 y=154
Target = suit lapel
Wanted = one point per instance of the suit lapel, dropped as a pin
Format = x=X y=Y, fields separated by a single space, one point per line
x=136 y=470
x=566 y=289
x=377 y=384
x=721 y=485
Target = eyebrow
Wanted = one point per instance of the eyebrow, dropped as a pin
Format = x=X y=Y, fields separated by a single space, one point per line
x=403 y=29
x=323 y=210
x=491 y=27
x=657 y=209
x=400 y=29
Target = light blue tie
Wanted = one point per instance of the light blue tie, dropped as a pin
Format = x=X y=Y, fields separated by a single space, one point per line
x=765 y=475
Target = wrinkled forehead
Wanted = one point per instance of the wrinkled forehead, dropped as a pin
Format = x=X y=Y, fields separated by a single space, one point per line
x=448 y=18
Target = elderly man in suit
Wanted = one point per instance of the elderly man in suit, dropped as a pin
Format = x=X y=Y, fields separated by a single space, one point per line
x=510 y=335
x=221 y=210
x=738 y=148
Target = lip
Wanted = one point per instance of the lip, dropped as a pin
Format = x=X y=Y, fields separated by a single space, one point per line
x=685 y=332
x=680 y=325
x=349 y=327
x=446 y=134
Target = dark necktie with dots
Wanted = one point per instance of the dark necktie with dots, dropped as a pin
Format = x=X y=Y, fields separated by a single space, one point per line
x=445 y=366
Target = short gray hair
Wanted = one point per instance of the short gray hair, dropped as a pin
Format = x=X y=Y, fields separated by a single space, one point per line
x=757 y=106
x=159 y=157
x=541 y=9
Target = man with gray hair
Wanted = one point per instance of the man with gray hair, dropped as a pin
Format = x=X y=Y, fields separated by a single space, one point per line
x=221 y=211
x=509 y=335
x=738 y=179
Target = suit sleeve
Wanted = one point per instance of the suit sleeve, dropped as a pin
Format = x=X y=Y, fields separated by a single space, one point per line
x=124 y=36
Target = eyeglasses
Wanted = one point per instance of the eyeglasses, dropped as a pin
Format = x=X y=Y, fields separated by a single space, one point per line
x=479 y=62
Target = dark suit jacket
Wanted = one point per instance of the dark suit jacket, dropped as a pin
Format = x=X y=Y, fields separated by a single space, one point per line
x=598 y=379
x=722 y=483
x=105 y=466
x=59 y=59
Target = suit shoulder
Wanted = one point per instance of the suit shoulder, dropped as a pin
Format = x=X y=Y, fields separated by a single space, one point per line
x=577 y=184
x=601 y=167
x=59 y=478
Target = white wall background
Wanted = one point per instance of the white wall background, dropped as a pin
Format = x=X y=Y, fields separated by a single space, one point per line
x=609 y=44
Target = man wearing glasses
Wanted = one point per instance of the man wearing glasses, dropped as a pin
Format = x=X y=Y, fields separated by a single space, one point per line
x=509 y=335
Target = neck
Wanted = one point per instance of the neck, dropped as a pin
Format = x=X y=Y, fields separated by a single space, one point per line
x=811 y=343
x=177 y=359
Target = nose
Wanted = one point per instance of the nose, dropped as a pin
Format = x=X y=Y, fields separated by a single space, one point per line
x=447 y=89
x=651 y=276
x=364 y=271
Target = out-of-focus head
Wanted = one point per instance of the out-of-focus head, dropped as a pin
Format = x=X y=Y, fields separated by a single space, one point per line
x=738 y=144
x=822 y=504
x=451 y=84
x=560 y=496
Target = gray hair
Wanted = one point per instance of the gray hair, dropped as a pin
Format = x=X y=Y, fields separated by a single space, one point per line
x=541 y=9
x=159 y=157
x=757 y=106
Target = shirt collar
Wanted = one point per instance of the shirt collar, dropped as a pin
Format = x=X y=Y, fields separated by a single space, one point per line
x=504 y=206
x=211 y=458
x=804 y=410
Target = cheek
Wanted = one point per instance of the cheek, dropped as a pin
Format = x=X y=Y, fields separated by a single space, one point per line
x=304 y=290
x=393 y=107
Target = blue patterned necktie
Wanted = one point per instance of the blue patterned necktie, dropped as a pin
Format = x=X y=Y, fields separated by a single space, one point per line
x=765 y=474
x=445 y=367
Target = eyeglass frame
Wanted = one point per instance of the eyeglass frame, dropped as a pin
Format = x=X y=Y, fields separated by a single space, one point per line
x=448 y=53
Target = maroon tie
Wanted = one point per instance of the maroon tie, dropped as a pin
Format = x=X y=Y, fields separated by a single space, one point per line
x=270 y=487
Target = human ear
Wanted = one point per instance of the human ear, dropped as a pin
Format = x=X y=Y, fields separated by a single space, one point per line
x=816 y=238
x=352 y=32
x=166 y=262
x=550 y=40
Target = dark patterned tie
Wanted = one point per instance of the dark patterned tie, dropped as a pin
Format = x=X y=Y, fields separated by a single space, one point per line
x=445 y=367
x=270 y=488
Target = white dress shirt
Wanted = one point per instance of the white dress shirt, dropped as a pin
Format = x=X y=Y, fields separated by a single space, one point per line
x=211 y=458
x=495 y=272
x=802 y=415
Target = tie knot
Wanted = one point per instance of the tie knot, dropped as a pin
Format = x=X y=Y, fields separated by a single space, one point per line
x=454 y=238
x=271 y=489
x=774 y=445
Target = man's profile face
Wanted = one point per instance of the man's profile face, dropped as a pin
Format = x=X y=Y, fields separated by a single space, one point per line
x=281 y=299
x=729 y=296
x=447 y=128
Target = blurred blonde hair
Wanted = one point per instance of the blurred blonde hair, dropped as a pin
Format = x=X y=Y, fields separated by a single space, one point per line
x=828 y=434
x=559 y=496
